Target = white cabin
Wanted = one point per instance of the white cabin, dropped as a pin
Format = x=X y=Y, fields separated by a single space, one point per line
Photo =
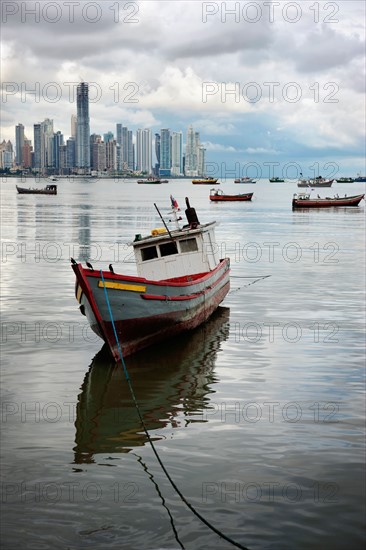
x=186 y=251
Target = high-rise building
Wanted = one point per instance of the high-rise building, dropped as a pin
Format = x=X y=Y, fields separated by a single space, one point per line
x=19 y=144
x=58 y=140
x=125 y=157
x=37 y=140
x=192 y=148
x=177 y=154
x=165 y=152
x=6 y=154
x=130 y=151
x=144 y=150
x=98 y=153
x=111 y=155
x=157 y=153
x=27 y=153
x=70 y=153
x=83 y=127
x=108 y=137
x=74 y=124
x=201 y=164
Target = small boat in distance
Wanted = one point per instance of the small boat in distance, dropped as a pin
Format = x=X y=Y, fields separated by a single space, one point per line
x=216 y=195
x=205 y=181
x=180 y=282
x=304 y=200
x=52 y=179
x=150 y=179
x=244 y=180
x=345 y=180
x=48 y=190
x=315 y=182
x=360 y=179
x=276 y=180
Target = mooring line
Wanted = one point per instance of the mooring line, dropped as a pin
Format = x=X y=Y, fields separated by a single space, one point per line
x=177 y=490
x=157 y=488
x=243 y=286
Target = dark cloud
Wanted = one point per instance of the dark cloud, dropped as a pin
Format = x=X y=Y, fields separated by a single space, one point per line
x=326 y=49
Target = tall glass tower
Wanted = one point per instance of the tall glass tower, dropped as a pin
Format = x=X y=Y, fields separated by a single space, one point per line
x=165 y=152
x=83 y=127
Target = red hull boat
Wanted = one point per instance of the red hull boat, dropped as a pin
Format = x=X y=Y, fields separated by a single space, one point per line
x=180 y=282
x=304 y=200
x=217 y=195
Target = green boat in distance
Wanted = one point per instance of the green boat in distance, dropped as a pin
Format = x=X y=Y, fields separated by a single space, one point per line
x=345 y=180
x=276 y=180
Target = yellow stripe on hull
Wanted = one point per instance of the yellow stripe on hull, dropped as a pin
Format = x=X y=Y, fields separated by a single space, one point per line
x=122 y=286
x=79 y=293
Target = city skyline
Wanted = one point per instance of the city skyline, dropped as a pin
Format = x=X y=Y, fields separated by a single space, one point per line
x=267 y=83
x=118 y=152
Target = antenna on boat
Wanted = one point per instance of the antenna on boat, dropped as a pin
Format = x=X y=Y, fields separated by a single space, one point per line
x=162 y=219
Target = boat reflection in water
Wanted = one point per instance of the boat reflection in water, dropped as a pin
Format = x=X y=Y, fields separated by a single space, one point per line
x=171 y=383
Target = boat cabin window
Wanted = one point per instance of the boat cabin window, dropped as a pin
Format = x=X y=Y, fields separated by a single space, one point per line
x=188 y=245
x=149 y=253
x=167 y=249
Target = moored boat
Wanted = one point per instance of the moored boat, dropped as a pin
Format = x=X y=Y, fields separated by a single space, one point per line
x=304 y=200
x=276 y=180
x=316 y=182
x=48 y=190
x=150 y=179
x=244 y=180
x=205 y=181
x=345 y=180
x=217 y=195
x=360 y=179
x=180 y=281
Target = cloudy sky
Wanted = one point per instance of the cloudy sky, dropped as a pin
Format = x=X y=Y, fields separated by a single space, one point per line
x=265 y=83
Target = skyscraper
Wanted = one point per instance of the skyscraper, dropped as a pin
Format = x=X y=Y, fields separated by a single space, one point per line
x=165 y=152
x=57 y=141
x=83 y=127
x=177 y=154
x=19 y=144
x=192 y=146
x=70 y=153
x=37 y=140
x=157 y=153
x=144 y=150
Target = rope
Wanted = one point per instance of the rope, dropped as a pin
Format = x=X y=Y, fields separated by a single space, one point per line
x=182 y=497
x=252 y=283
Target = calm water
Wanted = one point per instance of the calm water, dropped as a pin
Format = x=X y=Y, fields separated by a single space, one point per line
x=258 y=415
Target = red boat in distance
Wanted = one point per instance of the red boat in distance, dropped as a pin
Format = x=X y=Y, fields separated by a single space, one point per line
x=304 y=200
x=216 y=195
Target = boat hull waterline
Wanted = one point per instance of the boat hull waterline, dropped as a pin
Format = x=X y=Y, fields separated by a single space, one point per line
x=144 y=311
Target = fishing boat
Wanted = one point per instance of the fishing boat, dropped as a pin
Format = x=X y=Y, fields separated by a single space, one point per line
x=345 y=180
x=360 y=179
x=150 y=179
x=205 y=181
x=316 y=182
x=304 y=200
x=276 y=180
x=217 y=195
x=48 y=190
x=180 y=282
x=244 y=180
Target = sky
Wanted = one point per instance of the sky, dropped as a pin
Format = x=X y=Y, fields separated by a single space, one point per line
x=273 y=87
